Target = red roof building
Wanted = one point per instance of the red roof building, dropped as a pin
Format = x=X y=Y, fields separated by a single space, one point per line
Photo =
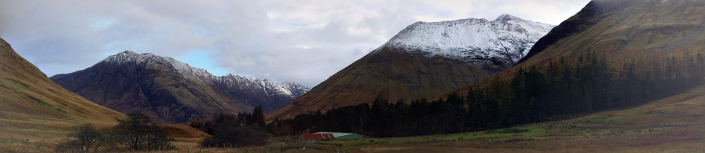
x=313 y=137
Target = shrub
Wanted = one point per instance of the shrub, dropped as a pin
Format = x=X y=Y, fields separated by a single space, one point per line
x=137 y=132
x=84 y=139
x=227 y=135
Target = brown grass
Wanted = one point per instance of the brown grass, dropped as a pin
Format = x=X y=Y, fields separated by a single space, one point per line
x=182 y=131
x=35 y=113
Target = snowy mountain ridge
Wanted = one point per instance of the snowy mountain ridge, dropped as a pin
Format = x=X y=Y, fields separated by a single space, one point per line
x=290 y=89
x=472 y=40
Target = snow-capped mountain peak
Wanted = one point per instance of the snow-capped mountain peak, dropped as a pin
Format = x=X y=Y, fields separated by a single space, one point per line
x=131 y=57
x=506 y=17
x=270 y=87
x=473 y=40
x=232 y=81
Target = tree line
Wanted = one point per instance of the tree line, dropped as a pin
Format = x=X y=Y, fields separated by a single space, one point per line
x=560 y=90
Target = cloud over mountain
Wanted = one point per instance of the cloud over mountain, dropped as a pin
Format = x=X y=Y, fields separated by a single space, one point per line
x=301 y=41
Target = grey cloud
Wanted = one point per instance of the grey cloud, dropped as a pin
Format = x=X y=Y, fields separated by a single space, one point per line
x=304 y=41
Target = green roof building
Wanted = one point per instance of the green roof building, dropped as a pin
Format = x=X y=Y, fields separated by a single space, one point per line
x=339 y=135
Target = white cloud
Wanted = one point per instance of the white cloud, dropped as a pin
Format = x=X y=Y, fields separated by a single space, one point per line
x=459 y=6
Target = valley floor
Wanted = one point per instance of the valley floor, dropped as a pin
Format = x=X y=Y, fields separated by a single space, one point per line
x=674 y=124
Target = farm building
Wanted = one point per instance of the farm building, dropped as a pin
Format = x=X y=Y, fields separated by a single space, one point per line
x=339 y=135
x=313 y=137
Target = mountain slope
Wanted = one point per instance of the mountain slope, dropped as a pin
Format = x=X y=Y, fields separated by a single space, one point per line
x=28 y=93
x=35 y=110
x=423 y=59
x=171 y=91
x=627 y=30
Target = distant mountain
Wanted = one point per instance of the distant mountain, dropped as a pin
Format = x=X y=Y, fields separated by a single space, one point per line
x=423 y=59
x=171 y=91
x=30 y=102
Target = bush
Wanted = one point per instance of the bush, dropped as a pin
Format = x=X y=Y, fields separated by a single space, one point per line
x=137 y=132
x=84 y=139
x=229 y=130
x=226 y=135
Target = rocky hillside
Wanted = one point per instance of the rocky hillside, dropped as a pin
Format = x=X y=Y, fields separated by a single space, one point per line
x=423 y=59
x=171 y=91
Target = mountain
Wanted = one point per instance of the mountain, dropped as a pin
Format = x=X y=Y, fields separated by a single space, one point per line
x=171 y=91
x=35 y=111
x=641 y=32
x=502 y=42
x=424 y=58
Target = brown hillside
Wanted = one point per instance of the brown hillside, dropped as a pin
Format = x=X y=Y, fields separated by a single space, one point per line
x=182 y=131
x=623 y=31
x=393 y=74
x=36 y=112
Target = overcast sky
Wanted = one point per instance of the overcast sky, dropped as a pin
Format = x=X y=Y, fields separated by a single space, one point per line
x=303 y=41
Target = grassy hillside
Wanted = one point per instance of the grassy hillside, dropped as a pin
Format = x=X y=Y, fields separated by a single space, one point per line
x=641 y=30
x=35 y=113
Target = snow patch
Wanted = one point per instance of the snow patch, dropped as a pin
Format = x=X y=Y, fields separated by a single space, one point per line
x=471 y=39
